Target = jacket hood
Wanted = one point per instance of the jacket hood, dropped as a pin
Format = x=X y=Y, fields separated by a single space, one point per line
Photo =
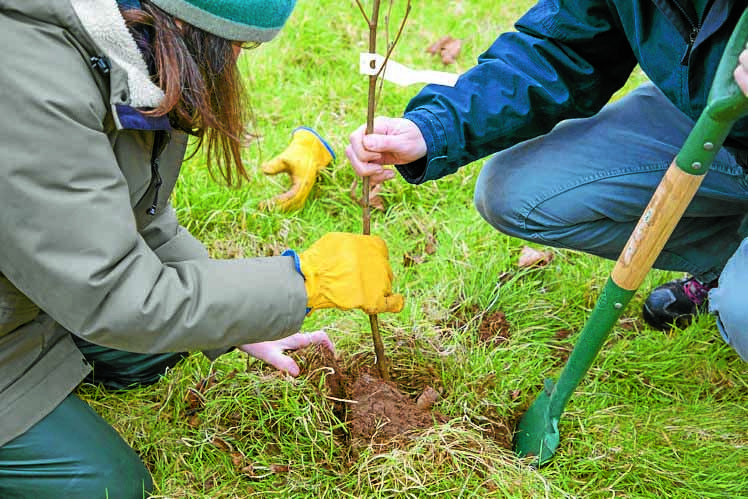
x=99 y=27
x=103 y=22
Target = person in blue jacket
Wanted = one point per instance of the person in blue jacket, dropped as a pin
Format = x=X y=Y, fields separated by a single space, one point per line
x=571 y=170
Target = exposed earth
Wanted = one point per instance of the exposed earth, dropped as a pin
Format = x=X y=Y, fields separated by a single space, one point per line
x=376 y=412
x=387 y=414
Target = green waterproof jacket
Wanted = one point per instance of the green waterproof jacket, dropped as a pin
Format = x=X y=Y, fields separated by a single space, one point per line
x=89 y=244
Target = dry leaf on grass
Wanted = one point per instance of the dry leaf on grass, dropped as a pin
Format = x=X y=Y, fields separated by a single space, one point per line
x=237 y=459
x=530 y=257
x=257 y=472
x=195 y=397
x=375 y=201
x=430 y=247
x=418 y=257
x=411 y=260
x=447 y=48
x=436 y=47
x=222 y=444
x=427 y=399
x=450 y=51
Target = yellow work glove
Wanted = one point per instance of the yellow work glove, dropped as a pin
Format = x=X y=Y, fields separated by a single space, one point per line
x=304 y=157
x=346 y=271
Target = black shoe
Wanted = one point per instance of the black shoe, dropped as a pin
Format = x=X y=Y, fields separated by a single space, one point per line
x=676 y=302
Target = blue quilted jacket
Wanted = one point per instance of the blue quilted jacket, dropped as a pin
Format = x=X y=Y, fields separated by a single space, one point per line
x=565 y=60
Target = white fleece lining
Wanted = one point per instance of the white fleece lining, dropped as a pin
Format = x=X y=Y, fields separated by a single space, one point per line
x=104 y=23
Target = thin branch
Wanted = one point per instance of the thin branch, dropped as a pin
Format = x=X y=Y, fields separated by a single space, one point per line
x=391 y=46
x=363 y=12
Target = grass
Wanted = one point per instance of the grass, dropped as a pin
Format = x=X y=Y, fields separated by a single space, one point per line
x=658 y=415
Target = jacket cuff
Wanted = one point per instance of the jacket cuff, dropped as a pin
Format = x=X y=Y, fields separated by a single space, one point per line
x=426 y=168
x=297 y=266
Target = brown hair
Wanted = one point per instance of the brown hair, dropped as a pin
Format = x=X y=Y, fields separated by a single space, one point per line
x=204 y=92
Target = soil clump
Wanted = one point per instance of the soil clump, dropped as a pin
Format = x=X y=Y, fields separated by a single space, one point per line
x=375 y=411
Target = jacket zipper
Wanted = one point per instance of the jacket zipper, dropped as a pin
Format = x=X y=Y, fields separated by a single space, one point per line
x=100 y=64
x=160 y=141
x=695 y=28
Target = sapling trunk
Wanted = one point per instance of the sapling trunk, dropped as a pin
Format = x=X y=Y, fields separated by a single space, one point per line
x=370 y=109
x=372 y=22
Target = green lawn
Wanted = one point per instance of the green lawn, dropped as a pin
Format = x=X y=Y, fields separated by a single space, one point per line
x=660 y=415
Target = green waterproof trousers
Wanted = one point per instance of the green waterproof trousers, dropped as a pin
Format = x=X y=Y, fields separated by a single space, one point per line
x=73 y=453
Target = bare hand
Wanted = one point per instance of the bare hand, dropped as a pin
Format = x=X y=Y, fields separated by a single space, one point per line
x=741 y=72
x=273 y=352
x=394 y=141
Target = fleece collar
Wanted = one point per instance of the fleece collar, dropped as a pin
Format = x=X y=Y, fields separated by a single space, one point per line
x=104 y=23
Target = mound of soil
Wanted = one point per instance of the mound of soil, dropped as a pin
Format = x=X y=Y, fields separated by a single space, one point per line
x=383 y=414
x=376 y=412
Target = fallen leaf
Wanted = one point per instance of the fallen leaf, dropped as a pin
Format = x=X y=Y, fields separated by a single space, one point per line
x=417 y=257
x=279 y=468
x=450 y=51
x=562 y=334
x=222 y=444
x=237 y=458
x=427 y=399
x=430 y=247
x=205 y=383
x=411 y=260
x=447 y=47
x=530 y=257
x=209 y=483
x=437 y=46
x=195 y=398
x=375 y=201
x=195 y=401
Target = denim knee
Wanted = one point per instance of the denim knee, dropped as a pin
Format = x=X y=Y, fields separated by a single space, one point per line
x=728 y=301
x=733 y=323
x=496 y=202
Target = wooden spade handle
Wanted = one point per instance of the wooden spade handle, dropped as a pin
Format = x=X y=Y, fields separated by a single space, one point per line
x=655 y=226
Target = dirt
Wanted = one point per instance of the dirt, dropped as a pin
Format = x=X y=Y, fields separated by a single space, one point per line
x=493 y=328
x=389 y=414
x=377 y=415
x=376 y=412
x=383 y=413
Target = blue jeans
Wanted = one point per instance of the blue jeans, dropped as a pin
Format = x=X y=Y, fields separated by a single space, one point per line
x=584 y=185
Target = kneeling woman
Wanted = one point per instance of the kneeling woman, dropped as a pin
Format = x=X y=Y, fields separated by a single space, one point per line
x=97 y=99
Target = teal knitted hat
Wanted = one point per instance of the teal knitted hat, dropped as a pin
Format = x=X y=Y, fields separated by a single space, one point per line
x=239 y=20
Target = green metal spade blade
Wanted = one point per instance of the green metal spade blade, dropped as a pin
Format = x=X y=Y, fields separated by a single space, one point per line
x=537 y=435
